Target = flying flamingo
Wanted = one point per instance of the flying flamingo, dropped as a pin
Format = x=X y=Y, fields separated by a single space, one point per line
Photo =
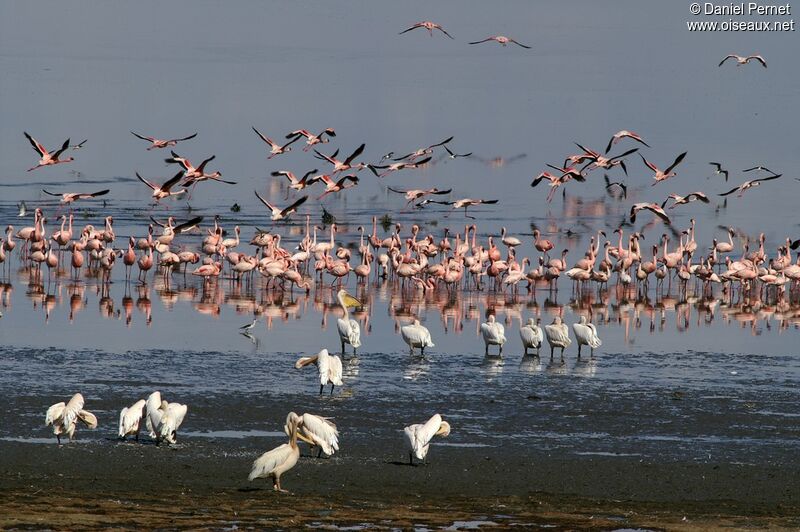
x=394 y=167
x=748 y=185
x=163 y=191
x=339 y=166
x=414 y=194
x=297 y=184
x=466 y=203
x=282 y=214
x=666 y=174
x=619 y=135
x=312 y=139
x=502 y=39
x=428 y=25
x=159 y=143
x=47 y=158
x=683 y=200
x=274 y=148
x=69 y=197
x=655 y=208
x=332 y=186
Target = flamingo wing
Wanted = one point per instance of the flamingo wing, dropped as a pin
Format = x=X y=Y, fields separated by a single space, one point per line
x=36 y=145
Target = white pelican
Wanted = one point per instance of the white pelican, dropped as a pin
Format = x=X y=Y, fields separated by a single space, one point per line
x=493 y=334
x=586 y=334
x=130 y=419
x=557 y=335
x=171 y=420
x=416 y=335
x=329 y=366
x=531 y=335
x=280 y=459
x=349 y=331
x=418 y=436
x=316 y=431
x=64 y=417
x=155 y=409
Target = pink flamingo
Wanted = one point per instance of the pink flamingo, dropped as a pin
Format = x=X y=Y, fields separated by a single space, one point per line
x=159 y=143
x=47 y=158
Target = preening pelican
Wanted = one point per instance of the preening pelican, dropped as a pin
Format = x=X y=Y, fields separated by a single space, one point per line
x=130 y=419
x=171 y=420
x=349 y=331
x=281 y=459
x=418 y=436
x=586 y=334
x=155 y=409
x=64 y=417
x=329 y=366
x=557 y=335
x=316 y=431
x=493 y=334
x=416 y=335
x=531 y=335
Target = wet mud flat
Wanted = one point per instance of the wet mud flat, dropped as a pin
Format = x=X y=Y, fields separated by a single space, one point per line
x=202 y=483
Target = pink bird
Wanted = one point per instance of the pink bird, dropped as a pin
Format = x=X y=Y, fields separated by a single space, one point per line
x=428 y=25
x=276 y=149
x=47 y=158
x=159 y=143
x=502 y=39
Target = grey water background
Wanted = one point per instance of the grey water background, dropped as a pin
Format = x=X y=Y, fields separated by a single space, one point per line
x=98 y=70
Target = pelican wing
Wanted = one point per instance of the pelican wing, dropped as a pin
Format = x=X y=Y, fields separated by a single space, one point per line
x=323 y=365
x=88 y=419
x=130 y=418
x=416 y=336
x=335 y=370
x=493 y=333
x=153 y=405
x=422 y=434
x=266 y=464
x=171 y=420
x=54 y=413
x=557 y=335
x=531 y=336
x=322 y=432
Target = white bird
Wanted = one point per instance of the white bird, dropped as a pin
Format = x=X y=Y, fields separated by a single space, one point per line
x=155 y=407
x=493 y=334
x=743 y=60
x=171 y=420
x=130 y=419
x=349 y=331
x=418 y=436
x=586 y=334
x=416 y=335
x=280 y=459
x=64 y=417
x=531 y=335
x=317 y=431
x=329 y=366
x=557 y=335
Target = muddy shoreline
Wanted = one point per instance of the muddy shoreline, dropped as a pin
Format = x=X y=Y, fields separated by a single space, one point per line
x=202 y=484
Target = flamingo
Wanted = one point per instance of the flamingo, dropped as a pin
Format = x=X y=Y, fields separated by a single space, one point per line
x=465 y=203
x=502 y=39
x=156 y=144
x=394 y=167
x=343 y=166
x=329 y=367
x=312 y=139
x=274 y=148
x=279 y=460
x=47 y=158
x=332 y=186
x=665 y=174
x=163 y=191
x=281 y=214
x=297 y=184
x=619 y=135
x=747 y=185
x=416 y=335
x=428 y=25
x=414 y=194
x=418 y=436
x=683 y=200
x=655 y=208
x=586 y=334
x=70 y=197
x=64 y=417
